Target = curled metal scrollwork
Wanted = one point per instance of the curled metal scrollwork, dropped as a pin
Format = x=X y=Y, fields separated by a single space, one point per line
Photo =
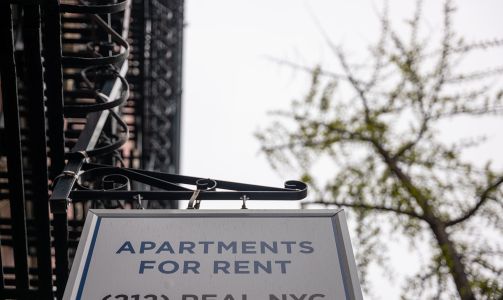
x=85 y=7
x=95 y=178
x=103 y=61
x=116 y=181
x=97 y=68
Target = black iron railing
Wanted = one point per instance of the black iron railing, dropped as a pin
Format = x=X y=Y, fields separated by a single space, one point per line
x=91 y=96
x=63 y=69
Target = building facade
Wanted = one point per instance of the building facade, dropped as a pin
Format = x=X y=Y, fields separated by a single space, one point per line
x=85 y=86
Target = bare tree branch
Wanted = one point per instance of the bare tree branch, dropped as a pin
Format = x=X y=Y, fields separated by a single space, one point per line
x=371 y=207
x=484 y=196
x=354 y=83
x=409 y=145
x=306 y=69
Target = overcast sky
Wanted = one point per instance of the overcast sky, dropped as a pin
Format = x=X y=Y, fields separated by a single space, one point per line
x=230 y=85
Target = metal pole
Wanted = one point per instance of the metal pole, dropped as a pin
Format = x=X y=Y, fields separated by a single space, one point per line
x=36 y=122
x=14 y=154
x=54 y=92
x=54 y=84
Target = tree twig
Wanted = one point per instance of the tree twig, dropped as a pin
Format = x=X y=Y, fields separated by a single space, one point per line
x=371 y=207
x=484 y=196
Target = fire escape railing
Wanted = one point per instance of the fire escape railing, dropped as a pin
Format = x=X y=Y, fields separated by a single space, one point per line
x=74 y=90
x=102 y=68
x=81 y=181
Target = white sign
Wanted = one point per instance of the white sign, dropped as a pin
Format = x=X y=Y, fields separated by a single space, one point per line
x=214 y=255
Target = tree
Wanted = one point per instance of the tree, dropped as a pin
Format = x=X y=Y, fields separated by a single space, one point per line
x=392 y=169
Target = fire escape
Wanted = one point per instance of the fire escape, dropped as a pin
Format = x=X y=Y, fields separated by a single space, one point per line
x=89 y=118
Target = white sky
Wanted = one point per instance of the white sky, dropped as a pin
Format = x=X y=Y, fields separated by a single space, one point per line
x=230 y=85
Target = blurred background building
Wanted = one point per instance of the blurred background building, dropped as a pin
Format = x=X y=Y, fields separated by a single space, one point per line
x=96 y=81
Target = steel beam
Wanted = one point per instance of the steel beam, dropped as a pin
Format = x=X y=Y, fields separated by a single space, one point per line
x=54 y=84
x=38 y=149
x=10 y=103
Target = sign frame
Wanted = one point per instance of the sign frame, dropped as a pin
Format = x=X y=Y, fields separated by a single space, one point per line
x=83 y=257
